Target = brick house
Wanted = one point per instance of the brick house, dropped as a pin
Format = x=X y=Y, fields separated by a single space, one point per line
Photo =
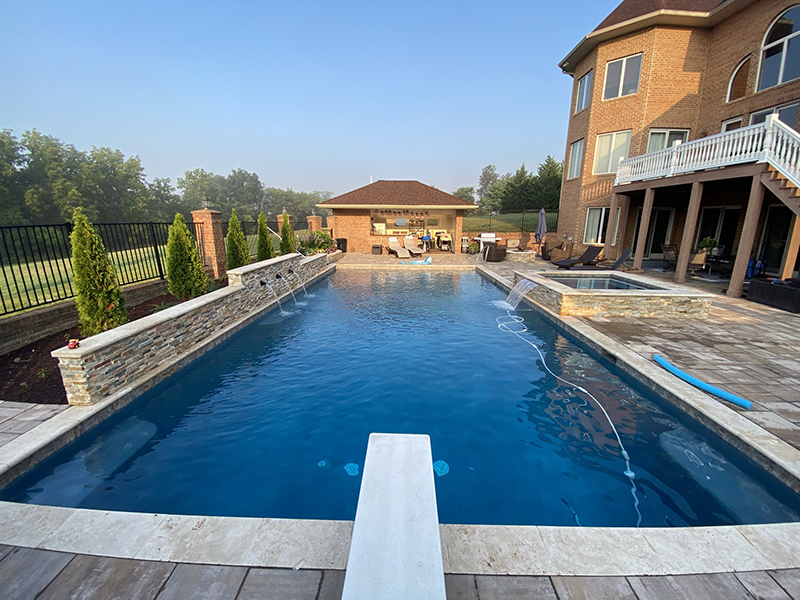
x=678 y=132
x=372 y=214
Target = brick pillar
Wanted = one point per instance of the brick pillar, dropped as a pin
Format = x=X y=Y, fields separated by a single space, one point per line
x=212 y=239
x=314 y=223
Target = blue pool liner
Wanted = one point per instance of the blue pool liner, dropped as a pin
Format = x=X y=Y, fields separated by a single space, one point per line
x=702 y=384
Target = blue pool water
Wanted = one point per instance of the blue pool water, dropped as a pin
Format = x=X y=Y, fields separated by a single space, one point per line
x=274 y=422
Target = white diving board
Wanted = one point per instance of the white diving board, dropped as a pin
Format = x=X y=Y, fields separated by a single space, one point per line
x=395 y=552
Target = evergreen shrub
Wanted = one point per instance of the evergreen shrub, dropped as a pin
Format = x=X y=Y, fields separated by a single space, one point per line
x=265 y=248
x=99 y=299
x=236 y=244
x=185 y=275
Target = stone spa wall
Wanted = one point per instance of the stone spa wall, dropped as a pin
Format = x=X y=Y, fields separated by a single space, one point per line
x=138 y=355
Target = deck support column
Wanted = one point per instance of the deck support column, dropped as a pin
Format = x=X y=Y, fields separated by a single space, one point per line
x=644 y=224
x=794 y=247
x=610 y=227
x=747 y=238
x=689 y=229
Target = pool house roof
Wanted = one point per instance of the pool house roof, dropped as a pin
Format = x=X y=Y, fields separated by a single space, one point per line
x=397 y=194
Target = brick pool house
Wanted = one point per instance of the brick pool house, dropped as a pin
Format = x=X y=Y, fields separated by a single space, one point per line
x=683 y=125
x=370 y=215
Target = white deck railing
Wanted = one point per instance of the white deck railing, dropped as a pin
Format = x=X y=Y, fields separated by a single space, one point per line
x=771 y=142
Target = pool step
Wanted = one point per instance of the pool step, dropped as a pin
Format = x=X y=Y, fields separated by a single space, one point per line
x=395 y=552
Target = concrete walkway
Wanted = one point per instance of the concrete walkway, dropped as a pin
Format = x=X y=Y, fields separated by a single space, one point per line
x=29 y=573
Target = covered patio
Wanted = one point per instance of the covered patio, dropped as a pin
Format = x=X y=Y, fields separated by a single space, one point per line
x=739 y=187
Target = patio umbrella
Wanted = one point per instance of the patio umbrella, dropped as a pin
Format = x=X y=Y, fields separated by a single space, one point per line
x=541 y=227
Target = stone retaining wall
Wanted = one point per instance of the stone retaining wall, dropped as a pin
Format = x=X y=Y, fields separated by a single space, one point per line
x=132 y=354
x=25 y=328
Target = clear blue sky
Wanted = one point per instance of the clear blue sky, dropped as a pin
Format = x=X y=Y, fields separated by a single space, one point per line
x=309 y=95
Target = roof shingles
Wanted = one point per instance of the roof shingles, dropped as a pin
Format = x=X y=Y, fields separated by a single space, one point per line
x=397 y=193
x=631 y=9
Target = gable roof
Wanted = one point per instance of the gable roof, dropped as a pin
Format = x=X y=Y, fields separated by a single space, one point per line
x=635 y=15
x=396 y=193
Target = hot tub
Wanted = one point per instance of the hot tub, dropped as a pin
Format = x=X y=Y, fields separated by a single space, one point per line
x=598 y=294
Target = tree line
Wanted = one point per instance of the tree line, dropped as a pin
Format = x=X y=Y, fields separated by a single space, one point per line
x=521 y=190
x=43 y=180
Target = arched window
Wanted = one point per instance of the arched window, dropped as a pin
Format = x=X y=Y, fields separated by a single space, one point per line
x=738 y=85
x=780 y=56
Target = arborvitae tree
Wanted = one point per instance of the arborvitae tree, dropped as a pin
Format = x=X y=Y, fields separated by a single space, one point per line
x=185 y=275
x=287 y=240
x=236 y=244
x=265 y=248
x=99 y=300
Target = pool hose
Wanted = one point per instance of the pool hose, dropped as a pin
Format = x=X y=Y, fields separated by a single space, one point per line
x=503 y=324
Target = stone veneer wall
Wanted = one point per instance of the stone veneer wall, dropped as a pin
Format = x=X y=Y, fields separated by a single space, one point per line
x=131 y=356
x=668 y=303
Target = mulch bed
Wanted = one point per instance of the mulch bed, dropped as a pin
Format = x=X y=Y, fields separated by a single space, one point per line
x=30 y=374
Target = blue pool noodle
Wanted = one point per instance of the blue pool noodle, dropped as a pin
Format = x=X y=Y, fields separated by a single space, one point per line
x=702 y=384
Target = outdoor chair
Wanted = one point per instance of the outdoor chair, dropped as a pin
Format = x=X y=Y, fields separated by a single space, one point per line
x=697 y=261
x=495 y=253
x=550 y=242
x=408 y=243
x=591 y=254
x=561 y=253
x=670 y=256
x=618 y=265
x=512 y=245
x=396 y=248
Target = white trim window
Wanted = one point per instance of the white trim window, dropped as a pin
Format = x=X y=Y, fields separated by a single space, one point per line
x=594 y=232
x=737 y=88
x=622 y=77
x=575 y=159
x=665 y=138
x=584 y=92
x=731 y=124
x=609 y=149
x=780 y=54
x=787 y=115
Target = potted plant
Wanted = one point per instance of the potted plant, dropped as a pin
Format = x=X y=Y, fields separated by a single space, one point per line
x=708 y=244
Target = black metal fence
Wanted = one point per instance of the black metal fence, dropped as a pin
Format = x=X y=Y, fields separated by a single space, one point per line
x=523 y=221
x=36 y=260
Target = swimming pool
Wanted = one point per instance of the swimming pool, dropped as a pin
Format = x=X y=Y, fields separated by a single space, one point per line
x=274 y=422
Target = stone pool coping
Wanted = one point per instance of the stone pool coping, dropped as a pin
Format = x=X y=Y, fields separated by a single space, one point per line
x=468 y=549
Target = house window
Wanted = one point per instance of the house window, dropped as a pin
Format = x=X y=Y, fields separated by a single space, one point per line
x=665 y=138
x=780 y=55
x=575 y=159
x=622 y=77
x=732 y=124
x=596 y=222
x=584 y=92
x=738 y=85
x=786 y=114
x=610 y=148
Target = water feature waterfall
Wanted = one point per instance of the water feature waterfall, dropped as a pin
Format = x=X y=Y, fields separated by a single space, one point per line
x=516 y=295
x=274 y=293
x=289 y=285
x=299 y=280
